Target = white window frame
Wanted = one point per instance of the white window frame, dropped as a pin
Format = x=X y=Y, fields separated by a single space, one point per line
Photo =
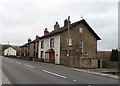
x=81 y=30
x=81 y=45
x=52 y=42
x=69 y=42
x=42 y=44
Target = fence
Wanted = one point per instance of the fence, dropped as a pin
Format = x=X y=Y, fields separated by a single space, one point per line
x=75 y=59
x=110 y=64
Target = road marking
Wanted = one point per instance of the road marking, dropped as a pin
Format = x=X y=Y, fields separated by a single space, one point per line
x=54 y=74
x=89 y=85
x=74 y=80
x=18 y=62
x=29 y=66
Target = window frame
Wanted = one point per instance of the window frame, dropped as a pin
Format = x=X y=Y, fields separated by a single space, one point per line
x=86 y=54
x=81 y=29
x=34 y=45
x=81 y=46
x=42 y=44
x=42 y=54
x=69 y=42
x=52 y=42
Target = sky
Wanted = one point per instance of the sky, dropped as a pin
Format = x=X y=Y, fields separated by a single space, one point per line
x=23 y=19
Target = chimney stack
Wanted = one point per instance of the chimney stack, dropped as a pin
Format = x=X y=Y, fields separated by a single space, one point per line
x=56 y=26
x=37 y=36
x=46 y=31
x=29 y=40
x=66 y=22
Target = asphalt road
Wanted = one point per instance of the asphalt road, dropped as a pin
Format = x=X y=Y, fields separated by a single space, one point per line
x=29 y=72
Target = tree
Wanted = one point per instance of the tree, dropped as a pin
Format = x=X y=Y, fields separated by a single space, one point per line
x=117 y=55
x=114 y=55
x=111 y=57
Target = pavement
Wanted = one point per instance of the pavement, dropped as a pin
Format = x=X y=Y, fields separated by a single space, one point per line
x=100 y=71
x=3 y=77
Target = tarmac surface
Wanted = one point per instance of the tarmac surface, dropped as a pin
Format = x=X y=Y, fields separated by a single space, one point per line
x=30 y=72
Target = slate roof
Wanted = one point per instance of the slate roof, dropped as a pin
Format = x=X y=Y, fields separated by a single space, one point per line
x=36 y=40
x=60 y=30
x=64 y=28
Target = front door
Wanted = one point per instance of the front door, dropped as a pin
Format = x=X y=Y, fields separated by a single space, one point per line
x=52 y=57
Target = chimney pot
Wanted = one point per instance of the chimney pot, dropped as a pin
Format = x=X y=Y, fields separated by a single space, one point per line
x=56 y=26
x=37 y=36
x=66 y=22
x=29 y=40
x=46 y=31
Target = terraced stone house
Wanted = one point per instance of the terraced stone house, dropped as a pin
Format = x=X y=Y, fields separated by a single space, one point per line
x=29 y=50
x=57 y=48
x=76 y=46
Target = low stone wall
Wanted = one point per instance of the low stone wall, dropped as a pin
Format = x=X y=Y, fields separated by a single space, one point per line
x=76 y=60
x=11 y=56
x=79 y=62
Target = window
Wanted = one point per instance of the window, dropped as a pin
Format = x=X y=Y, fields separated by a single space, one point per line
x=52 y=42
x=34 y=45
x=28 y=54
x=80 y=30
x=34 y=54
x=81 y=46
x=42 y=44
x=86 y=54
x=42 y=54
x=28 y=46
x=69 y=42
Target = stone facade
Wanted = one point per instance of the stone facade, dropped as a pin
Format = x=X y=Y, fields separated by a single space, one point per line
x=89 y=41
x=76 y=57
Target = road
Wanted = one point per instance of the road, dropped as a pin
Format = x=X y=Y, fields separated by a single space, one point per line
x=29 y=72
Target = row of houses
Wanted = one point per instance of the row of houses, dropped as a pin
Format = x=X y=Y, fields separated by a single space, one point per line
x=59 y=45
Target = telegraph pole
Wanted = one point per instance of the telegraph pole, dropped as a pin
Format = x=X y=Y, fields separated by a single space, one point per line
x=68 y=53
x=8 y=48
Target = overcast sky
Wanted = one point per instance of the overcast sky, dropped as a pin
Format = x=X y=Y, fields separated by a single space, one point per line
x=23 y=19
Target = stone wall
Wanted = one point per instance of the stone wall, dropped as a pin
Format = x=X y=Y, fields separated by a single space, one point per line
x=79 y=63
x=74 y=60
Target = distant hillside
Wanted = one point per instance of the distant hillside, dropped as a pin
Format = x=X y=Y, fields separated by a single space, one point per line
x=5 y=46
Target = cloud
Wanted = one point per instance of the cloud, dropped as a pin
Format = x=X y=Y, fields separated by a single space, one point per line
x=23 y=19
